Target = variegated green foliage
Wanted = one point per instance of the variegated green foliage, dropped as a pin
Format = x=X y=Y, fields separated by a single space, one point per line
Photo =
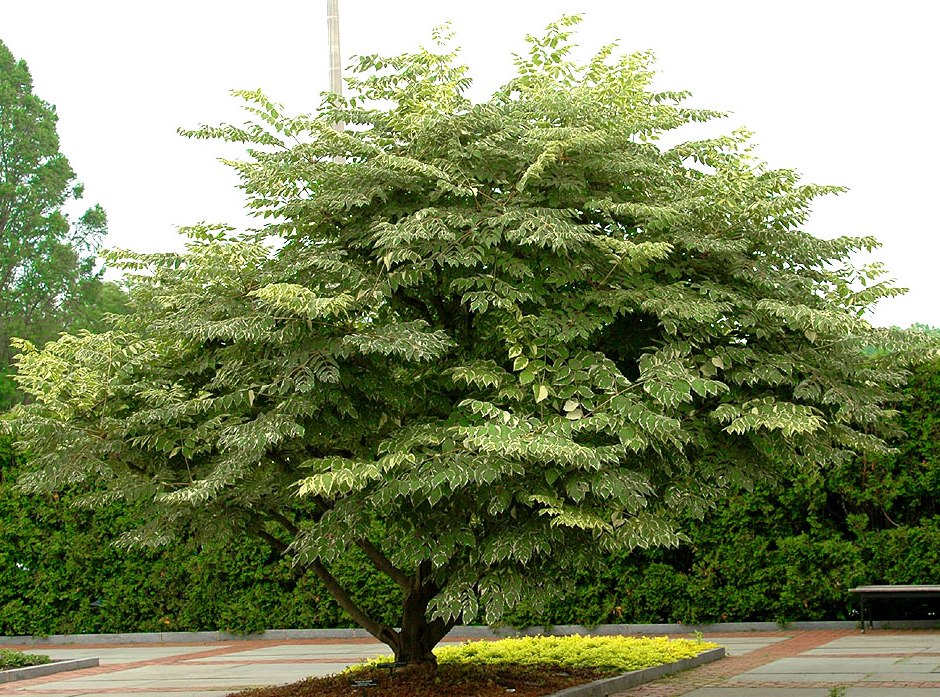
x=515 y=332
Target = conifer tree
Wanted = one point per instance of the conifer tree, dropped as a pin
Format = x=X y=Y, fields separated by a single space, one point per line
x=483 y=342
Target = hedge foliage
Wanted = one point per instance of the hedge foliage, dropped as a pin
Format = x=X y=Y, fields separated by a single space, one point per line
x=59 y=574
x=785 y=552
x=17 y=659
x=615 y=654
x=610 y=654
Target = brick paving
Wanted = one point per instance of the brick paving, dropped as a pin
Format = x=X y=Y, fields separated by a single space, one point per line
x=716 y=673
x=205 y=664
x=889 y=663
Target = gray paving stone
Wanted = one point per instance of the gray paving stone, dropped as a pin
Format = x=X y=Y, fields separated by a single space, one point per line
x=903 y=676
x=95 y=682
x=797 y=678
x=271 y=673
x=306 y=651
x=828 y=650
x=739 y=646
x=156 y=693
x=873 y=641
x=892 y=692
x=817 y=666
x=926 y=668
x=811 y=692
x=215 y=676
x=742 y=648
x=922 y=659
x=128 y=687
x=113 y=656
x=759 y=692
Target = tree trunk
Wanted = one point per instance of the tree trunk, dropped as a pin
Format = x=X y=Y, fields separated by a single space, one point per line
x=414 y=644
x=416 y=640
x=418 y=635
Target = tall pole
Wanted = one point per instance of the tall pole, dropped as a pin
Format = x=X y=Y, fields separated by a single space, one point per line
x=336 y=66
x=336 y=61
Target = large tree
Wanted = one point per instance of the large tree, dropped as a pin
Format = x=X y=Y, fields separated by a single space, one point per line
x=48 y=270
x=483 y=342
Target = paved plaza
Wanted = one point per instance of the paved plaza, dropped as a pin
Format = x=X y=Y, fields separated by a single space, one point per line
x=204 y=670
x=812 y=664
x=775 y=664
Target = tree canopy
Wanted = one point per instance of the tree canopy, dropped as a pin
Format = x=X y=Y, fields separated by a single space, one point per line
x=48 y=267
x=481 y=341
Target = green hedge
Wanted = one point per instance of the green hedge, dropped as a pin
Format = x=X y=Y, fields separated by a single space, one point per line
x=782 y=553
x=788 y=552
x=59 y=574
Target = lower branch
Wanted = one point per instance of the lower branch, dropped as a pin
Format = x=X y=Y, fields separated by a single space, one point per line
x=277 y=544
x=284 y=521
x=439 y=629
x=383 y=633
x=382 y=563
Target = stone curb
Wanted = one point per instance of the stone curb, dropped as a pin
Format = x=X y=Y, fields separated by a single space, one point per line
x=46 y=669
x=468 y=632
x=619 y=683
x=677 y=629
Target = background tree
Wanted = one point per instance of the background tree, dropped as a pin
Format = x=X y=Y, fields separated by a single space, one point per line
x=492 y=341
x=48 y=274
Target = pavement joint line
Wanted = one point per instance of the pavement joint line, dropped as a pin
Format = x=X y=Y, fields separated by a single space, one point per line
x=227 y=648
x=719 y=672
x=162 y=660
x=239 y=645
x=827 y=684
x=894 y=654
x=780 y=644
x=126 y=691
x=278 y=661
x=797 y=645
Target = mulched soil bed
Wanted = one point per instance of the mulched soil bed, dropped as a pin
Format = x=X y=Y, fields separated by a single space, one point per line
x=447 y=681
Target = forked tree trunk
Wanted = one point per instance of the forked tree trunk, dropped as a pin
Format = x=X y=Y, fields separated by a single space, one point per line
x=414 y=643
x=418 y=636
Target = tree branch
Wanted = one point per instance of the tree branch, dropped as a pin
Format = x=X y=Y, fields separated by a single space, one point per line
x=272 y=540
x=438 y=629
x=420 y=581
x=418 y=306
x=382 y=632
x=285 y=522
x=381 y=562
x=448 y=319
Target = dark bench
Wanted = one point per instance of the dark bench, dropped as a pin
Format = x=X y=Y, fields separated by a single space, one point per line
x=866 y=592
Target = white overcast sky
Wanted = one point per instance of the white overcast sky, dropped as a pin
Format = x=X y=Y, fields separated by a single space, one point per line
x=844 y=92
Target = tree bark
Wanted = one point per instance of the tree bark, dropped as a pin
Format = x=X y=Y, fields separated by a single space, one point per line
x=418 y=635
x=379 y=630
x=415 y=646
